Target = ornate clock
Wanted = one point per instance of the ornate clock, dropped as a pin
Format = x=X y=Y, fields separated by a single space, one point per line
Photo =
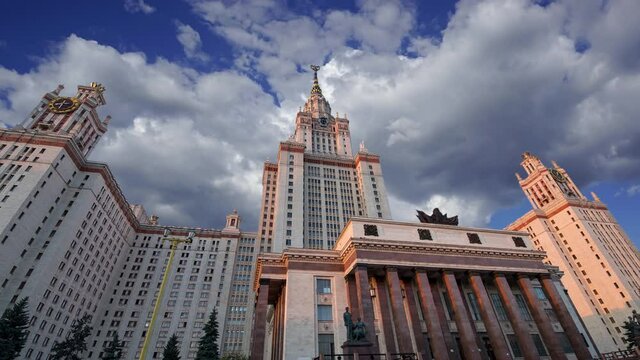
x=323 y=121
x=63 y=105
x=557 y=175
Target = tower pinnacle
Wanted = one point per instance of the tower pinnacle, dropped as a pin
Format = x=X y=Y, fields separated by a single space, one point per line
x=315 y=89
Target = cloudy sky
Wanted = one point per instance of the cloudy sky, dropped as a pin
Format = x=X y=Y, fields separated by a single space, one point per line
x=450 y=94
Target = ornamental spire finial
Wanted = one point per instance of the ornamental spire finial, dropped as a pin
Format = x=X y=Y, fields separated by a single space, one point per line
x=315 y=89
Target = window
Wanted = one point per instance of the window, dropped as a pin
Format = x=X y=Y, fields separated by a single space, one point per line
x=501 y=313
x=522 y=305
x=539 y=345
x=325 y=344
x=473 y=306
x=551 y=314
x=324 y=313
x=323 y=286
x=540 y=293
x=564 y=342
x=515 y=348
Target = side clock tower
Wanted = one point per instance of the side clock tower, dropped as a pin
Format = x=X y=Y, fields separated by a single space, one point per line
x=545 y=186
x=599 y=263
x=74 y=116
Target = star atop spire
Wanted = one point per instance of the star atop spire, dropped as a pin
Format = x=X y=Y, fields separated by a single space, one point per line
x=315 y=89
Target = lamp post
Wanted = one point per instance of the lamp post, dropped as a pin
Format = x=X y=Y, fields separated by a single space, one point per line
x=173 y=245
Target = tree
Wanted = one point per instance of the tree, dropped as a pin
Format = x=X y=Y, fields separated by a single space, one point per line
x=208 y=345
x=234 y=356
x=171 y=350
x=75 y=343
x=13 y=329
x=632 y=331
x=113 y=351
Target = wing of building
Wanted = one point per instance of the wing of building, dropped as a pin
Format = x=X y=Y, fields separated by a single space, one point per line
x=583 y=239
x=72 y=244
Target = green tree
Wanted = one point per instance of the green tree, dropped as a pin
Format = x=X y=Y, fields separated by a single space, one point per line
x=632 y=331
x=171 y=350
x=113 y=350
x=13 y=329
x=75 y=343
x=208 y=345
x=234 y=356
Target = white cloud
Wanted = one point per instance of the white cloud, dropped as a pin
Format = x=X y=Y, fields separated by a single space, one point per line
x=175 y=144
x=134 y=6
x=450 y=122
x=190 y=41
x=633 y=190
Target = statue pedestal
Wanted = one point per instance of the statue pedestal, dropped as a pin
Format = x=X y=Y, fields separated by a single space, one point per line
x=356 y=347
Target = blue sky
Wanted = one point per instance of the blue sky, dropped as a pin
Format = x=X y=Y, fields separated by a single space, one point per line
x=449 y=93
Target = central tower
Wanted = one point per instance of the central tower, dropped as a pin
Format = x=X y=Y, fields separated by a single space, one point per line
x=317 y=184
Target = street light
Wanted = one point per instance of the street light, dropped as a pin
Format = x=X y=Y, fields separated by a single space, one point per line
x=173 y=245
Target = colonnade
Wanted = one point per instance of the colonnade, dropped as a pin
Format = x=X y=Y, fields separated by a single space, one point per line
x=403 y=333
x=398 y=333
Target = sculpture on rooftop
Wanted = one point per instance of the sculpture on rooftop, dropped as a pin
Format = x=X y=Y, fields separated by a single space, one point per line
x=437 y=218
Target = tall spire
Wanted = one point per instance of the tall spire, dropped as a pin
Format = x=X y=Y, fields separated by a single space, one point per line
x=315 y=89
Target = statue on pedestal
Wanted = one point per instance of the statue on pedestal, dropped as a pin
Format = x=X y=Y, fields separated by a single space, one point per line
x=348 y=323
x=356 y=335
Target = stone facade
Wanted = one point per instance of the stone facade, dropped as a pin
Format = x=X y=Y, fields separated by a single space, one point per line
x=583 y=239
x=438 y=296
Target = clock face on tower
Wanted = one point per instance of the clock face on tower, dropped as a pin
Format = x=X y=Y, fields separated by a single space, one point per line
x=557 y=176
x=63 y=105
x=323 y=121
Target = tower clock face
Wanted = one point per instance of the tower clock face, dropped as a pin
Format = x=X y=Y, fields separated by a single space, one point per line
x=323 y=121
x=557 y=176
x=63 y=105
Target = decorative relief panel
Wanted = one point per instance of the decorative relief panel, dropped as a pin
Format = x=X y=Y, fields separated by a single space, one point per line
x=424 y=234
x=370 y=230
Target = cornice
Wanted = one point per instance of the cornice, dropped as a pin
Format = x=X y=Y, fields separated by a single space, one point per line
x=292 y=146
x=550 y=211
x=367 y=157
x=347 y=162
x=362 y=220
x=437 y=249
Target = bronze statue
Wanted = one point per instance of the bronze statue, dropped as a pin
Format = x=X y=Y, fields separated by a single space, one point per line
x=359 y=331
x=437 y=218
x=348 y=323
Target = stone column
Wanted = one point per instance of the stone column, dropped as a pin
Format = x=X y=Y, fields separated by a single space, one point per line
x=365 y=305
x=463 y=323
x=569 y=326
x=430 y=314
x=541 y=318
x=352 y=291
x=489 y=318
x=276 y=331
x=403 y=334
x=414 y=318
x=385 y=314
x=281 y=322
x=525 y=341
x=260 y=321
x=452 y=344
